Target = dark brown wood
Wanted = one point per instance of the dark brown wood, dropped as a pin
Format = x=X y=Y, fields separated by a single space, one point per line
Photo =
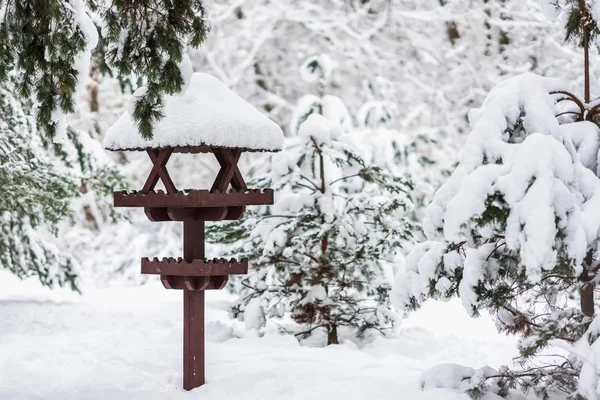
x=332 y=336
x=193 y=198
x=159 y=160
x=193 y=314
x=235 y=213
x=162 y=214
x=177 y=282
x=157 y=214
x=192 y=149
x=196 y=267
x=585 y=28
x=195 y=283
x=229 y=172
x=193 y=240
x=586 y=291
x=217 y=282
x=185 y=282
x=192 y=213
x=193 y=339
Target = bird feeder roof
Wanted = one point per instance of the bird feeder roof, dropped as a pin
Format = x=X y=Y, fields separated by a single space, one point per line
x=207 y=114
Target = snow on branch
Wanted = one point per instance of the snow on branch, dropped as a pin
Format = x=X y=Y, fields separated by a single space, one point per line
x=524 y=183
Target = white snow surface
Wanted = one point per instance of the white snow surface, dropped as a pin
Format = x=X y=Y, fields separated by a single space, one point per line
x=319 y=128
x=208 y=113
x=595 y=11
x=187 y=72
x=125 y=343
x=550 y=8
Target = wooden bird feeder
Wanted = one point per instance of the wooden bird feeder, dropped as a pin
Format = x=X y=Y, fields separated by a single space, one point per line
x=189 y=127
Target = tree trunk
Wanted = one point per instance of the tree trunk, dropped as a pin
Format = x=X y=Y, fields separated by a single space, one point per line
x=332 y=336
x=94 y=102
x=587 y=299
x=451 y=27
x=325 y=240
x=586 y=292
x=586 y=48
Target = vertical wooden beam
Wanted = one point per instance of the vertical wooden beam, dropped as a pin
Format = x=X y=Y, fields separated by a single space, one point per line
x=193 y=239
x=193 y=311
x=193 y=339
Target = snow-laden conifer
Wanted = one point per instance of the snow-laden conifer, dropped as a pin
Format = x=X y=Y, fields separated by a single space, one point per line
x=38 y=181
x=515 y=230
x=318 y=251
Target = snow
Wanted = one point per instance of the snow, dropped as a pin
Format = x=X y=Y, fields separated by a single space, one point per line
x=335 y=110
x=330 y=107
x=421 y=264
x=588 y=353
x=125 y=343
x=595 y=12
x=254 y=317
x=208 y=113
x=187 y=72
x=550 y=8
x=319 y=128
x=474 y=269
x=85 y=23
x=317 y=68
x=448 y=376
x=373 y=114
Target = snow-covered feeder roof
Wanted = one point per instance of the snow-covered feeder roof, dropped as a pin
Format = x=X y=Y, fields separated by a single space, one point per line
x=208 y=113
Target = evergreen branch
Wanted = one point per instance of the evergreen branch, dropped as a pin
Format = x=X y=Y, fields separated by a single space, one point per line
x=311 y=182
x=344 y=178
x=310 y=331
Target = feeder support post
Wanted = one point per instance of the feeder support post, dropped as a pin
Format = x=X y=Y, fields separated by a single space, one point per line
x=193 y=311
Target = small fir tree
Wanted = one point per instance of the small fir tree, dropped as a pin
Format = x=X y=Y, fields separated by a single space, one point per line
x=319 y=70
x=318 y=251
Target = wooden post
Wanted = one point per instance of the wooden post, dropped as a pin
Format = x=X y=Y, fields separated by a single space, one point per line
x=193 y=311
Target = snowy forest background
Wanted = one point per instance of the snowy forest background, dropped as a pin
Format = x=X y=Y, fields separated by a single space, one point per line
x=398 y=78
x=407 y=73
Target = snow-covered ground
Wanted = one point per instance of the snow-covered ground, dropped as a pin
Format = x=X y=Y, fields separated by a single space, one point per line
x=125 y=343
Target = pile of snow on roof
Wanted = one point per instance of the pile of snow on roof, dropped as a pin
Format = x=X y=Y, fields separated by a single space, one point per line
x=207 y=113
